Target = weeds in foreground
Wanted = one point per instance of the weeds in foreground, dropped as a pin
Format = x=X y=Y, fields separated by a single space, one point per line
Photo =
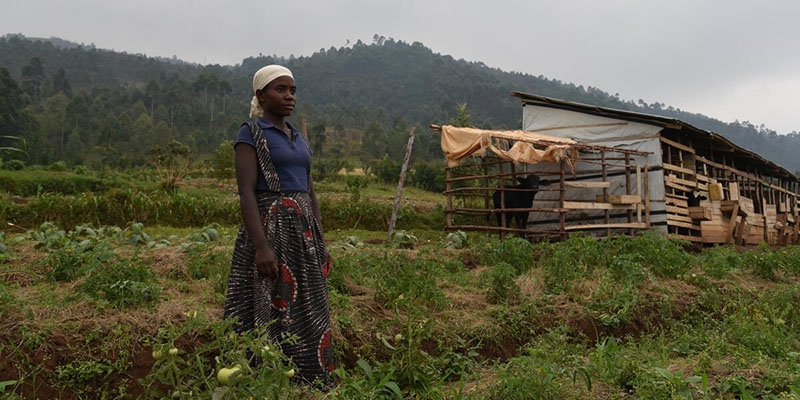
x=613 y=320
x=206 y=359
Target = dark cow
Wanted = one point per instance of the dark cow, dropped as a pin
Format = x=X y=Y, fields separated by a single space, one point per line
x=517 y=199
x=695 y=199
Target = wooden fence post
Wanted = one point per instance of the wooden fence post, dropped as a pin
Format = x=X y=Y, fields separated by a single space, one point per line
x=402 y=180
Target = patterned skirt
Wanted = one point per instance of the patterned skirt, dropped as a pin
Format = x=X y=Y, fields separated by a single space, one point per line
x=296 y=304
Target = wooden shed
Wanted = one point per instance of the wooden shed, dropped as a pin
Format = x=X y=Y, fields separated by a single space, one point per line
x=625 y=171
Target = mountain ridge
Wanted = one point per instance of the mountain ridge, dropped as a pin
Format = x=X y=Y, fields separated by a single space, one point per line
x=387 y=79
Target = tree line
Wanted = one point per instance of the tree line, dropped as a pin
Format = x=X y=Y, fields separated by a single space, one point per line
x=100 y=108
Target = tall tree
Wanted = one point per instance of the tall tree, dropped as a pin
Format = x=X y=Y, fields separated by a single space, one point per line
x=33 y=78
x=144 y=135
x=225 y=89
x=11 y=105
x=373 y=143
x=61 y=83
x=151 y=92
x=317 y=139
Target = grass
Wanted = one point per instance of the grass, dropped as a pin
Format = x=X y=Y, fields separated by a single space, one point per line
x=426 y=314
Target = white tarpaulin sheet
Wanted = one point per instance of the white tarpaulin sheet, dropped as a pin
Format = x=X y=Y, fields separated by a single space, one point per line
x=585 y=128
x=602 y=131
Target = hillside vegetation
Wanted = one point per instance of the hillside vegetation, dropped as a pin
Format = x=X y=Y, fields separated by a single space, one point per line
x=95 y=107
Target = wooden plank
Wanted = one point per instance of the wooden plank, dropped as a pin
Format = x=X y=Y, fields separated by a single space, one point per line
x=684 y=237
x=689 y=184
x=670 y=167
x=599 y=185
x=700 y=213
x=729 y=205
x=683 y=225
x=588 y=205
x=678 y=201
x=713 y=231
x=620 y=198
x=713 y=164
x=638 y=179
x=746 y=205
x=741 y=231
x=647 y=195
x=703 y=178
x=682 y=219
x=677 y=145
x=732 y=225
x=677 y=186
x=626 y=225
x=677 y=210
x=713 y=237
x=733 y=191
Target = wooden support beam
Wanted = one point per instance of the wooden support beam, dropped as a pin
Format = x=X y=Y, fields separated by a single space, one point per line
x=627 y=225
x=620 y=198
x=677 y=145
x=732 y=226
x=647 y=195
x=676 y=168
x=588 y=205
x=598 y=185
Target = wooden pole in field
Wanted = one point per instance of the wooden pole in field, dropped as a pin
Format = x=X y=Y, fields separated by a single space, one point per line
x=402 y=180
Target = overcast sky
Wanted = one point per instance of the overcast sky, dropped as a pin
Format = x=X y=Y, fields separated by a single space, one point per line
x=728 y=59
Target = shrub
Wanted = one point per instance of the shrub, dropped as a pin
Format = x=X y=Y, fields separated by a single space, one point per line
x=125 y=282
x=223 y=161
x=572 y=260
x=354 y=184
x=386 y=170
x=205 y=262
x=428 y=177
x=32 y=183
x=503 y=288
x=324 y=169
x=59 y=166
x=763 y=262
x=664 y=256
x=13 y=165
x=718 y=261
x=257 y=368
x=71 y=254
x=410 y=279
x=547 y=370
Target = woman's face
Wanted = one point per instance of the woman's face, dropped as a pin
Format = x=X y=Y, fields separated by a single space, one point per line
x=278 y=97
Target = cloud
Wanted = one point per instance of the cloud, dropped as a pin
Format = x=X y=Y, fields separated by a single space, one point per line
x=695 y=55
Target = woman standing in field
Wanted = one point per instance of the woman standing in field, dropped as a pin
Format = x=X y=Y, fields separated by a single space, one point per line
x=280 y=264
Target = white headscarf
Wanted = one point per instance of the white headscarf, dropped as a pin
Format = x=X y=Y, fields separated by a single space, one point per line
x=261 y=79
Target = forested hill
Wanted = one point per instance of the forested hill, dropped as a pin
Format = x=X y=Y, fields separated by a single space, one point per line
x=123 y=103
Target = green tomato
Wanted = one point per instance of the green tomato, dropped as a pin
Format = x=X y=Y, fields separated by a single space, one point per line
x=398 y=337
x=289 y=373
x=228 y=376
x=173 y=351
x=158 y=355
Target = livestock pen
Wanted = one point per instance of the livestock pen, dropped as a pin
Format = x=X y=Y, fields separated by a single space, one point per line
x=575 y=191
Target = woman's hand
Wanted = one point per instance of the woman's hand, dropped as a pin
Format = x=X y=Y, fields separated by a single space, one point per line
x=267 y=262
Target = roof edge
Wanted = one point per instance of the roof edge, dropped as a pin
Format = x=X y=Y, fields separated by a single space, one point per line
x=648 y=119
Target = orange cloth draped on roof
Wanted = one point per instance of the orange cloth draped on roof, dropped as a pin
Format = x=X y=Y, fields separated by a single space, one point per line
x=459 y=143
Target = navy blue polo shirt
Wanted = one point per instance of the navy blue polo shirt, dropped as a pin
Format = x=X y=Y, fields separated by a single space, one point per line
x=292 y=158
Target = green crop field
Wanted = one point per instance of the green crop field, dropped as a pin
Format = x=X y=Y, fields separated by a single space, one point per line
x=112 y=288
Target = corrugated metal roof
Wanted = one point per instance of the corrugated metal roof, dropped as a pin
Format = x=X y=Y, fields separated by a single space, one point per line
x=657 y=120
